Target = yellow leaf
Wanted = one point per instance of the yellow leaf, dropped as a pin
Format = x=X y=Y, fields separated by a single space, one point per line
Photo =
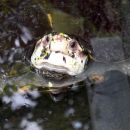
x=24 y=88
x=50 y=19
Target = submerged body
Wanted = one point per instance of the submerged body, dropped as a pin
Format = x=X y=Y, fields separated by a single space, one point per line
x=59 y=53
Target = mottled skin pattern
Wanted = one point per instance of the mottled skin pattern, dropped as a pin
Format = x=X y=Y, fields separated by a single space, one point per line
x=59 y=53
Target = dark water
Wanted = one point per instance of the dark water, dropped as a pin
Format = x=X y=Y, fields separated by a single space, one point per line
x=104 y=25
x=38 y=111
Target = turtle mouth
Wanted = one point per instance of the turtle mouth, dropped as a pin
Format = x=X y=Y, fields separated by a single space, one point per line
x=55 y=68
x=61 y=63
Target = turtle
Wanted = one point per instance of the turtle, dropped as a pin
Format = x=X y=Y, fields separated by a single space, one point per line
x=57 y=61
x=59 y=53
x=59 y=57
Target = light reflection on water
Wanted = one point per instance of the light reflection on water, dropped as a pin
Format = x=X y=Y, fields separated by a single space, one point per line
x=26 y=35
x=29 y=125
x=17 y=100
x=33 y=109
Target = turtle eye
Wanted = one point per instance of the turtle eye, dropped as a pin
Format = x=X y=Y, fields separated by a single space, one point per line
x=73 y=44
x=47 y=39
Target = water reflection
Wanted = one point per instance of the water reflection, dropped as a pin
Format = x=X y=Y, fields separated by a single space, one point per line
x=33 y=109
x=26 y=35
x=17 y=100
x=29 y=125
x=69 y=112
x=76 y=124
